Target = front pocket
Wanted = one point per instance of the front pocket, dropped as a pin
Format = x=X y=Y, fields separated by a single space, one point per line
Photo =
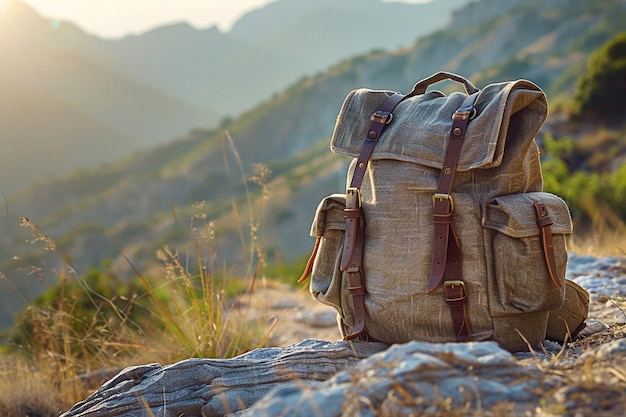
x=519 y=276
x=329 y=228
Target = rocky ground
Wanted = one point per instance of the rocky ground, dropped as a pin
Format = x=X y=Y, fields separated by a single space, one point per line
x=309 y=373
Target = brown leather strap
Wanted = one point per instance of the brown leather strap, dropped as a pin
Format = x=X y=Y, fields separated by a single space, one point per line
x=446 y=260
x=354 y=221
x=381 y=118
x=576 y=332
x=443 y=205
x=544 y=222
x=456 y=298
x=352 y=258
x=422 y=85
x=309 y=265
x=354 y=238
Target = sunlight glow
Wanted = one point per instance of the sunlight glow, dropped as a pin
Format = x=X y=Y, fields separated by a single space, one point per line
x=113 y=19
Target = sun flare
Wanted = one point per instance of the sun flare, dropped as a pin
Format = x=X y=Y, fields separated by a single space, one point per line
x=4 y=5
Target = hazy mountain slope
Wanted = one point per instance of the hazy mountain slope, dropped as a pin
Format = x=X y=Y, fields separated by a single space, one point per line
x=267 y=49
x=61 y=110
x=205 y=68
x=35 y=134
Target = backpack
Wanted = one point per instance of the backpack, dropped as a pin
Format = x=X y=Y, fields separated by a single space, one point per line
x=444 y=232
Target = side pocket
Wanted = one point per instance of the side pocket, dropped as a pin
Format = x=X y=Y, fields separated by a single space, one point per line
x=521 y=280
x=566 y=322
x=329 y=228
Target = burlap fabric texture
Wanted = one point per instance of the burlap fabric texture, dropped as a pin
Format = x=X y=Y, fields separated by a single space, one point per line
x=510 y=295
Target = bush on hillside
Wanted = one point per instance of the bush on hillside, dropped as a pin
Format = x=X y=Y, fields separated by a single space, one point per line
x=600 y=91
x=591 y=196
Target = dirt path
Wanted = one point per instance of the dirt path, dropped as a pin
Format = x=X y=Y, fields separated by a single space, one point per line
x=295 y=313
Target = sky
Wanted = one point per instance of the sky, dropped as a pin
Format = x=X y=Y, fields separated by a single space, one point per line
x=112 y=19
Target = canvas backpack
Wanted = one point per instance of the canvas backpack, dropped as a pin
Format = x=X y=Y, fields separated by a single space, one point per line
x=444 y=232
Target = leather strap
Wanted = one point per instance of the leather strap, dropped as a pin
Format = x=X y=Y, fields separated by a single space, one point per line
x=443 y=205
x=309 y=265
x=446 y=260
x=422 y=85
x=456 y=298
x=354 y=238
x=381 y=118
x=576 y=332
x=544 y=222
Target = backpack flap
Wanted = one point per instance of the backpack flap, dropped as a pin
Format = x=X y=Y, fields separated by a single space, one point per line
x=421 y=124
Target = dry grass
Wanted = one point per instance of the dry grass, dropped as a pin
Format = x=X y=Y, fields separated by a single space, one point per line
x=605 y=237
x=65 y=352
x=69 y=353
x=592 y=384
x=25 y=391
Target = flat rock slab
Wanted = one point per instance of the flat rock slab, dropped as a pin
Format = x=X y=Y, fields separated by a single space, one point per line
x=369 y=379
x=217 y=387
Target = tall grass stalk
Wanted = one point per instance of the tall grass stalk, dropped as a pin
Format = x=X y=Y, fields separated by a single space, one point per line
x=227 y=140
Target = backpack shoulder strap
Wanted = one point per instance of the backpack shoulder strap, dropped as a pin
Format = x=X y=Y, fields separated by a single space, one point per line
x=352 y=257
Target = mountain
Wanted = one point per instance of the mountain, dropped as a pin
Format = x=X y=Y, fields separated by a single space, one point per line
x=61 y=110
x=192 y=189
x=72 y=100
x=357 y=25
x=268 y=48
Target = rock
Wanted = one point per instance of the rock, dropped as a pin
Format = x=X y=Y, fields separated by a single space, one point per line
x=409 y=379
x=594 y=326
x=216 y=387
x=370 y=379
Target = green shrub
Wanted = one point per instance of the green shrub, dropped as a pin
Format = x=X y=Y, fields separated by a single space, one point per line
x=601 y=89
x=590 y=195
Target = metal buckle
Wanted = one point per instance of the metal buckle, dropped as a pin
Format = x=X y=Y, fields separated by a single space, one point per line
x=353 y=191
x=440 y=197
x=382 y=117
x=463 y=114
x=356 y=285
x=452 y=285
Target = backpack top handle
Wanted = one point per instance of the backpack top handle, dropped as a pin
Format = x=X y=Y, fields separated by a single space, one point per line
x=421 y=86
